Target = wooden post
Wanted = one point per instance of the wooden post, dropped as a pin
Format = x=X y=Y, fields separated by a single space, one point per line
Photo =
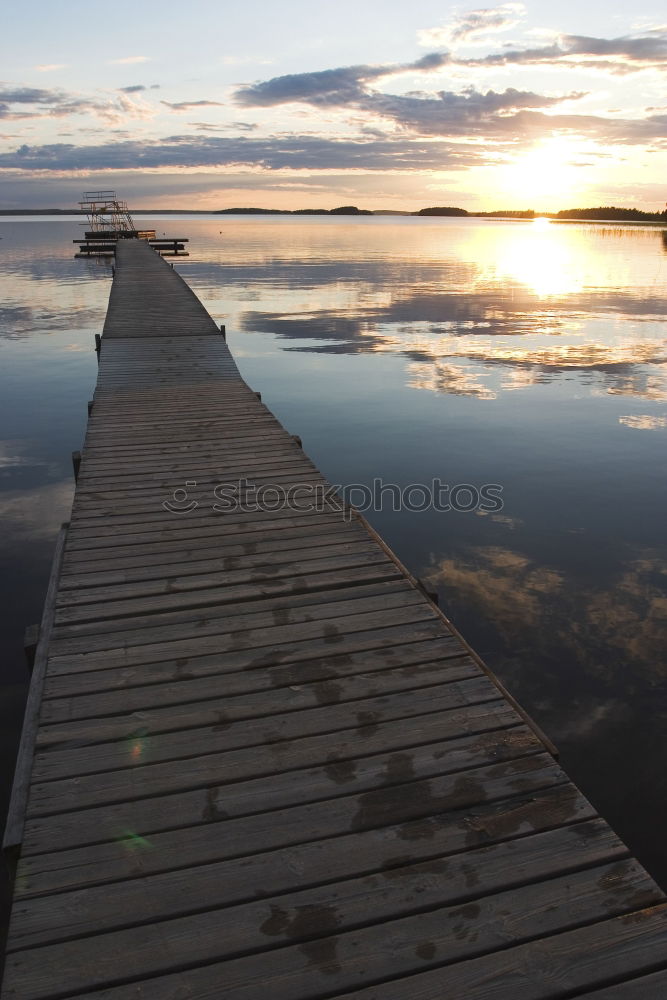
x=297 y=440
x=91 y=403
x=76 y=464
x=98 y=343
x=30 y=640
x=223 y=331
x=259 y=396
x=428 y=591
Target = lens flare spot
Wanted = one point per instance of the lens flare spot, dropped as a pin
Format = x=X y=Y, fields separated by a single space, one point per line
x=133 y=841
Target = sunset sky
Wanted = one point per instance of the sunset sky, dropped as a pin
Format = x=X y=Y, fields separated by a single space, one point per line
x=382 y=103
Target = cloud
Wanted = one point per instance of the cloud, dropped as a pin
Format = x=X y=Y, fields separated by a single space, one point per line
x=273 y=153
x=229 y=127
x=443 y=113
x=509 y=115
x=618 y=56
x=37 y=102
x=643 y=422
x=472 y=112
x=19 y=103
x=473 y=24
x=29 y=95
x=50 y=67
x=339 y=86
x=128 y=60
x=186 y=105
x=134 y=89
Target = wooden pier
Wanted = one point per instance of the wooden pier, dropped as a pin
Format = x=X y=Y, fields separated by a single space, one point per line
x=104 y=244
x=258 y=763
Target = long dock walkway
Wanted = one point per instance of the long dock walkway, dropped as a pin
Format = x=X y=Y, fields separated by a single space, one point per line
x=265 y=768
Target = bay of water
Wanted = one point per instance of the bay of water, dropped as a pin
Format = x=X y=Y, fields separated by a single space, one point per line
x=523 y=354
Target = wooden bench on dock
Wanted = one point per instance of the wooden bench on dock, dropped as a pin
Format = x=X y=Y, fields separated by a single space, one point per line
x=258 y=762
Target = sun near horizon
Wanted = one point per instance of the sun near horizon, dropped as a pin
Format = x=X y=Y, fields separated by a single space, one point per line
x=393 y=107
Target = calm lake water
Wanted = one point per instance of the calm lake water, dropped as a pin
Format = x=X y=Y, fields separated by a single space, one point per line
x=528 y=355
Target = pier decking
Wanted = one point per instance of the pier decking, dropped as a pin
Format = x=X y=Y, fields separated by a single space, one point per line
x=264 y=765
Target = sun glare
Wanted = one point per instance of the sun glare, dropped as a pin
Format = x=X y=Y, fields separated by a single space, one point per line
x=544 y=177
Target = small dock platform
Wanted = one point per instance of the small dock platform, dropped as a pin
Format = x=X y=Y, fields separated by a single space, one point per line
x=258 y=762
x=104 y=245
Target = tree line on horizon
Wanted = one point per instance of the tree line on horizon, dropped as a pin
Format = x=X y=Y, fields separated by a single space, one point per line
x=601 y=213
x=605 y=213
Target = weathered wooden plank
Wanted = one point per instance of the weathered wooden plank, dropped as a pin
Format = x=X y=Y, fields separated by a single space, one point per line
x=289 y=489
x=290 y=664
x=334 y=960
x=651 y=987
x=106 y=482
x=174 y=559
x=343 y=854
x=88 y=546
x=321 y=682
x=241 y=465
x=237 y=805
x=548 y=968
x=212 y=640
x=260 y=742
x=359 y=898
x=266 y=745
x=175 y=525
x=141 y=750
x=196 y=592
x=231 y=542
x=109 y=523
x=234 y=619
x=115 y=615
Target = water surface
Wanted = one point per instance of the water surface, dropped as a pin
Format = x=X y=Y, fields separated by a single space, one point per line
x=526 y=355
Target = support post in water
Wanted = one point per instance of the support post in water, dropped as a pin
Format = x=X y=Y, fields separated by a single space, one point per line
x=30 y=640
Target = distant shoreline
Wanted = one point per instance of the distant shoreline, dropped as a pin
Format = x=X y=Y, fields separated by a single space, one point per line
x=623 y=217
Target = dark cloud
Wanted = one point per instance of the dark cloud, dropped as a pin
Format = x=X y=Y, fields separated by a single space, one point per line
x=497 y=117
x=619 y=55
x=273 y=153
x=231 y=127
x=134 y=89
x=450 y=114
x=29 y=95
x=507 y=115
x=444 y=113
x=330 y=86
x=39 y=103
x=186 y=105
